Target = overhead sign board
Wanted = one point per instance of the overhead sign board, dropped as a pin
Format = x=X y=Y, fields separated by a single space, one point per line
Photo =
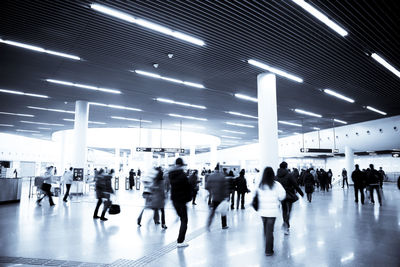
x=156 y=149
x=318 y=150
x=78 y=174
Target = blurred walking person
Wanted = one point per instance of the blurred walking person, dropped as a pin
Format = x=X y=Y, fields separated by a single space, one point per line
x=344 y=177
x=131 y=179
x=194 y=183
x=359 y=181
x=241 y=188
x=67 y=179
x=46 y=186
x=373 y=178
x=309 y=184
x=103 y=193
x=158 y=198
x=270 y=193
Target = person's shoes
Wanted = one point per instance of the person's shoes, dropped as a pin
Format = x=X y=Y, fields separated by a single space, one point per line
x=242 y=208
x=96 y=217
x=52 y=204
x=232 y=208
x=356 y=201
x=138 y=223
x=164 y=226
x=38 y=203
x=182 y=245
x=194 y=203
x=286 y=231
x=225 y=227
x=65 y=200
x=157 y=222
x=103 y=219
x=269 y=253
x=380 y=204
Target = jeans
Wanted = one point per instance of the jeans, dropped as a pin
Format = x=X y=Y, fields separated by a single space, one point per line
x=269 y=223
x=240 y=196
x=212 y=213
x=371 y=191
x=286 y=209
x=107 y=204
x=345 y=180
x=67 y=193
x=356 y=189
x=181 y=210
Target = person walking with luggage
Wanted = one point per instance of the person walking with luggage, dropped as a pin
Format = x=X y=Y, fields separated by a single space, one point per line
x=217 y=184
x=148 y=194
x=131 y=179
x=309 y=184
x=46 y=186
x=344 y=177
x=269 y=193
x=103 y=193
x=359 y=181
x=194 y=183
x=181 y=193
x=373 y=178
x=290 y=186
x=241 y=188
x=67 y=180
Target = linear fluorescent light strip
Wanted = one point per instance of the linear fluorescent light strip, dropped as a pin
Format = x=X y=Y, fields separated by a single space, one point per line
x=92 y=122
x=333 y=93
x=43 y=128
x=27 y=131
x=146 y=24
x=190 y=126
x=307 y=113
x=39 y=49
x=42 y=123
x=114 y=106
x=323 y=18
x=187 y=117
x=52 y=109
x=235 y=132
x=242 y=115
x=290 y=123
x=157 y=76
x=84 y=86
x=21 y=93
x=376 y=110
x=239 y=124
x=386 y=64
x=230 y=137
x=128 y=119
x=245 y=97
x=16 y=114
x=340 y=121
x=6 y=125
x=274 y=70
x=179 y=103
x=316 y=128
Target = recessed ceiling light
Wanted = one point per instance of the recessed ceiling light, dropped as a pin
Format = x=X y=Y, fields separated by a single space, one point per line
x=376 y=110
x=241 y=114
x=230 y=137
x=290 y=123
x=39 y=49
x=129 y=119
x=274 y=70
x=6 y=125
x=245 y=97
x=43 y=128
x=52 y=109
x=190 y=126
x=21 y=93
x=340 y=121
x=307 y=113
x=235 y=132
x=42 y=123
x=114 y=106
x=157 y=76
x=147 y=24
x=92 y=122
x=323 y=18
x=239 y=124
x=179 y=103
x=316 y=128
x=27 y=131
x=16 y=114
x=84 y=86
x=333 y=93
x=386 y=64
x=186 y=117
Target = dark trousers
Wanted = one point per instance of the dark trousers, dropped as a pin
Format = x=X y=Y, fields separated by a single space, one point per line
x=286 y=209
x=232 y=195
x=240 y=196
x=67 y=193
x=371 y=192
x=215 y=204
x=269 y=223
x=345 y=180
x=131 y=183
x=361 y=190
x=309 y=197
x=106 y=205
x=156 y=216
x=47 y=193
x=194 y=193
x=181 y=210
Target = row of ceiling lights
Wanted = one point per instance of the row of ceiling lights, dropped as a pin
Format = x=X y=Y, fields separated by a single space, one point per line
x=185 y=37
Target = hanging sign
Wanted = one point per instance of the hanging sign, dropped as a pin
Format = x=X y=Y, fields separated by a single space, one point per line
x=318 y=150
x=155 y=149
x=78 y=174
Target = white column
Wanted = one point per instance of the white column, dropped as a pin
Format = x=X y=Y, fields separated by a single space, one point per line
x=349 y=159
x=80 y=134
x=117 y=161
x=192 y=160
x=158 y=160
x=267 y=121
x=213 y=159
x=166 y=160
x=62 y=146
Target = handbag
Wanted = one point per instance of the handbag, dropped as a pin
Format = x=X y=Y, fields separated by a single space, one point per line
x=291 y=197
x=255 y=202
x=114 y=209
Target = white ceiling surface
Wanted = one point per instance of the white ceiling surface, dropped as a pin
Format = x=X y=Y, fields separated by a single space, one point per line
x=129 y=138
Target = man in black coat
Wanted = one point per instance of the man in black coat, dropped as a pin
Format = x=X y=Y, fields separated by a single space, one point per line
x=359 y=181
x=181 y=193
x=373 y=178
x=290 y=185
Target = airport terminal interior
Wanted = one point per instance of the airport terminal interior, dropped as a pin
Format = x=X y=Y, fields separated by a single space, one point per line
x=199 y=133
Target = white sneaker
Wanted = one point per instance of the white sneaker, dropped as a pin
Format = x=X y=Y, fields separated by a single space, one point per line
x=182 y=245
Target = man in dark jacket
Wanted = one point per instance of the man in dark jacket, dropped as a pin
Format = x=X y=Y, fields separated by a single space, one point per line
x=241 y=188
x=289 y=183
x=181 y=193
x=344 y=177
x=359 y=181
x=373 y=178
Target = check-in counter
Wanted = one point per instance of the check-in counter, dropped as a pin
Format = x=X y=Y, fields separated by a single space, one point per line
x=10 y=189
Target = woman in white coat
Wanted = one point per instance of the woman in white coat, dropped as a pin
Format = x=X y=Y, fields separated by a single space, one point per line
x=270 y=194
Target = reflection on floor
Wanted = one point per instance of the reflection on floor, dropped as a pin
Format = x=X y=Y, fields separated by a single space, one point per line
x=330 y=231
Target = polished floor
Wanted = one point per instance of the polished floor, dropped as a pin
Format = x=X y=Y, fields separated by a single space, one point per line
x=330 y=231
